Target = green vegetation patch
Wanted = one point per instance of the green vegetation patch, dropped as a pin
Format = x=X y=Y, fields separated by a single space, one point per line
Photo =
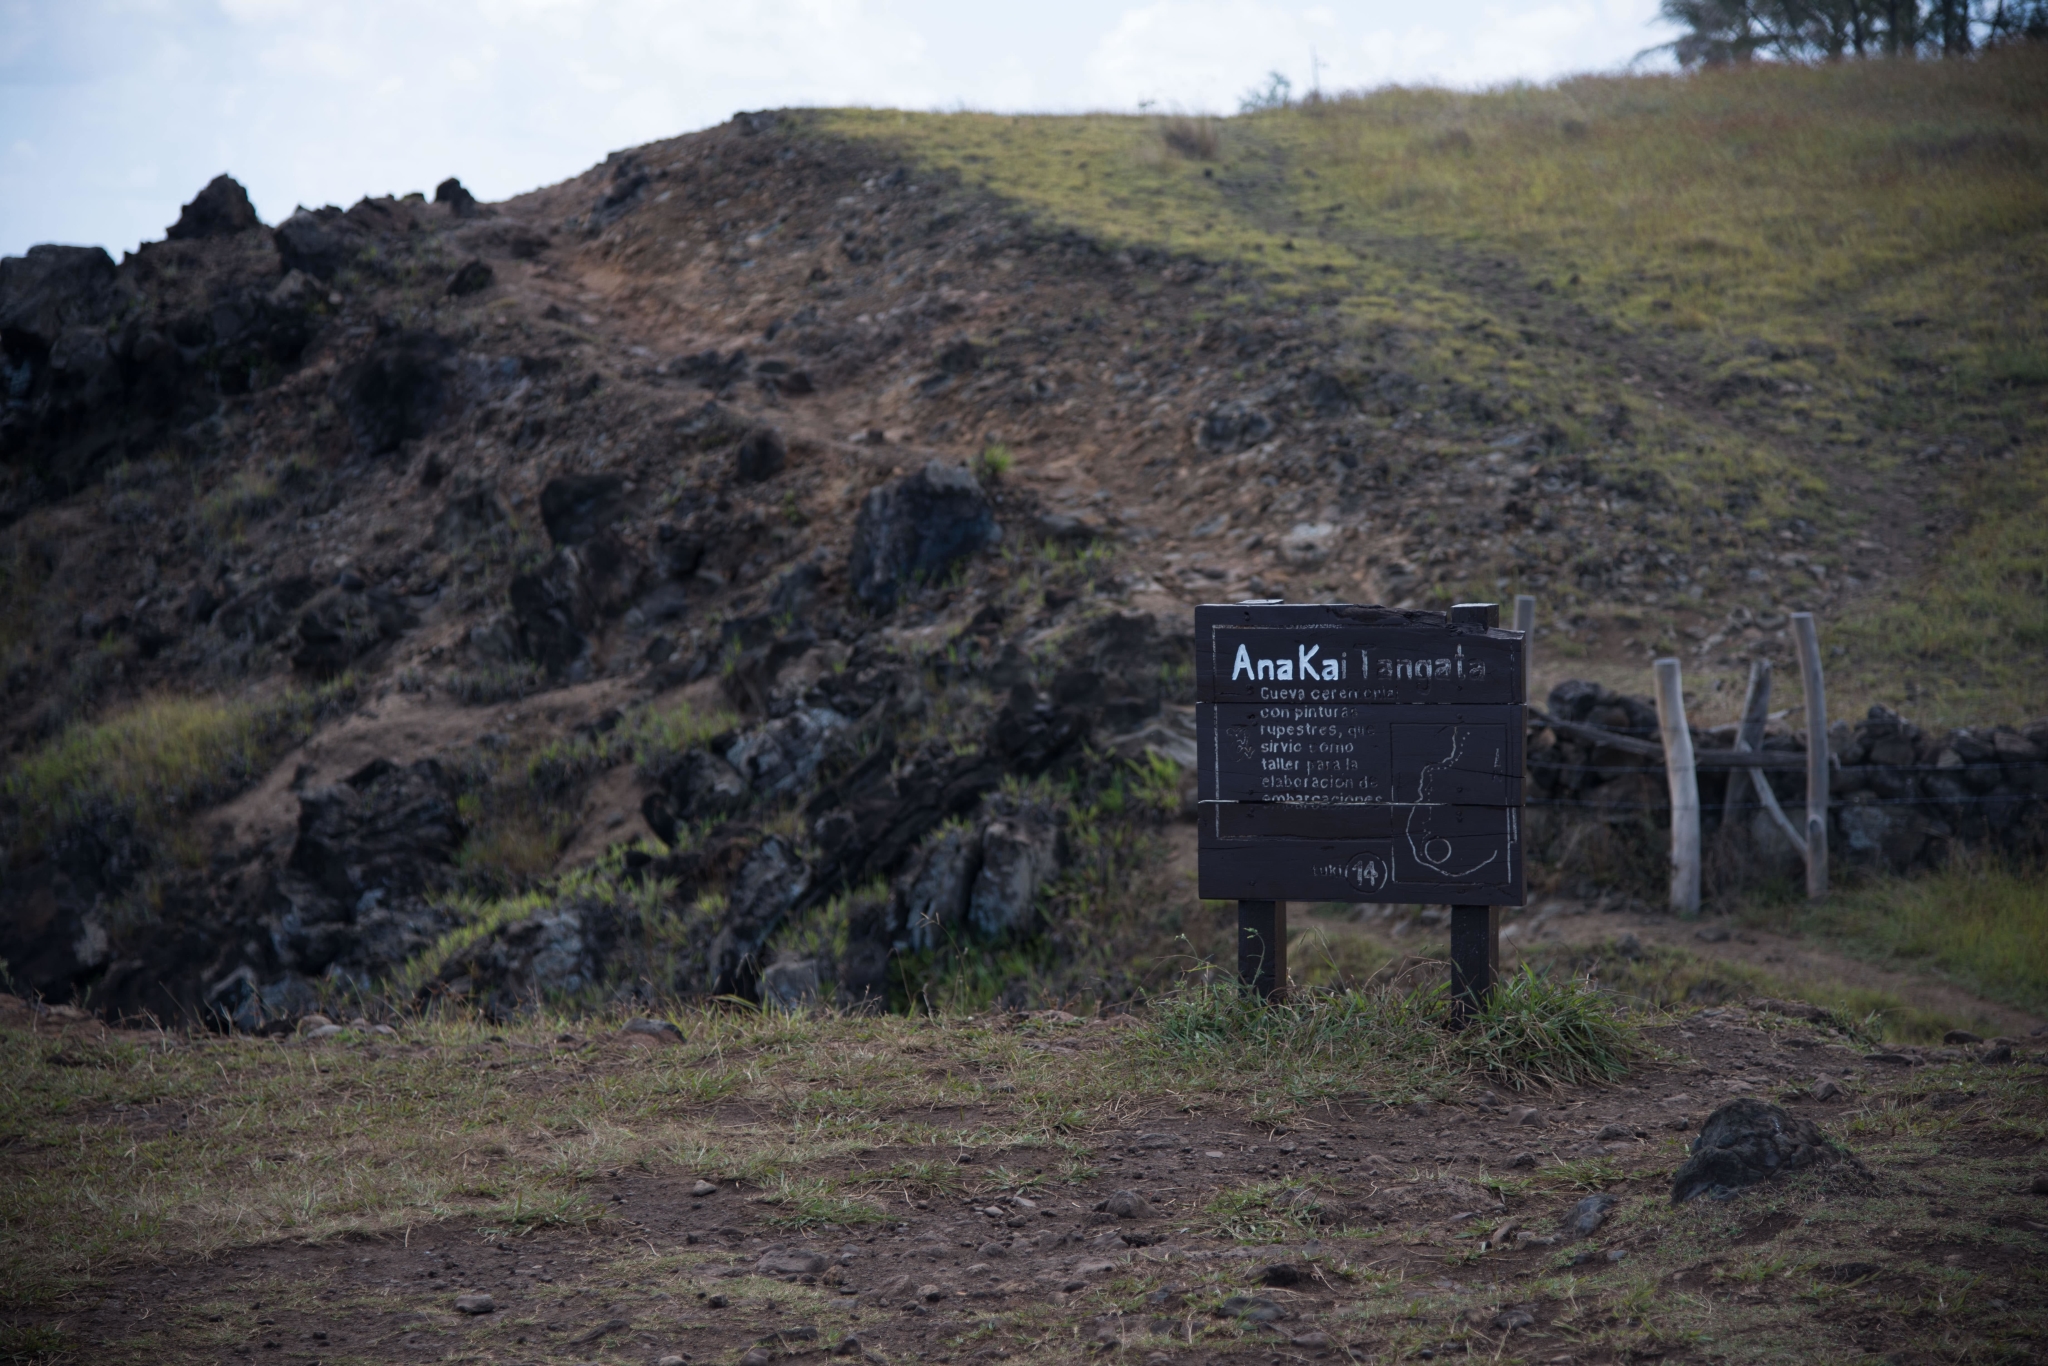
x=1980 y=923
x=156 y=761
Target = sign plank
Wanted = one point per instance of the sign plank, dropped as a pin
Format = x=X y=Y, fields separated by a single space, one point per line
x=1309 y=753
x=1390 y=852
x=1355 y=655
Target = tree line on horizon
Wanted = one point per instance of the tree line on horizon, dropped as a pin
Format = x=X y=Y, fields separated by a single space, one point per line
x=1730 y=32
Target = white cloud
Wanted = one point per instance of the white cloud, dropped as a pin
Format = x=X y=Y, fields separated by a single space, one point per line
x=259 y=11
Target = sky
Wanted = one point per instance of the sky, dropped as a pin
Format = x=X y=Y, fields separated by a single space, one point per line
x=113 y=113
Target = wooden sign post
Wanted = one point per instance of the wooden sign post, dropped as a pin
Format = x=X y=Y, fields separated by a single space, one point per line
x=1360 y=754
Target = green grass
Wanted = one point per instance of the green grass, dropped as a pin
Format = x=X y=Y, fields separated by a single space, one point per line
x=1979 y=923
x=154 y=762
x=1541 y=1031
x=1320 y=1045
x=243 y=499
x=1663 y=978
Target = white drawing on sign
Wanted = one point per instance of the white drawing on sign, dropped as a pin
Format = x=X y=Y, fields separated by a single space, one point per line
x=1425 y=839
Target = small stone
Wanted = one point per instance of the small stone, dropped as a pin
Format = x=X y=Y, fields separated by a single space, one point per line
x=1251 y=1308
x=716 y=1302
x=1313 y=1340
x=848 y=1346
x=1617 y=1254
x=1512 y=1318
x=309 y=1023
x=474 y=1304
x=1283 y=1274
x=660 y=1030
x=2039 y=1185
x=1711 y=934
x=1530 y=1116
x=790 y=1262
x=1126 y=1205
x=672 y=1360
x=993 y=1250
x=328 y=1031
x=757 y=1356
x=1998 y=1052
x=1961 y=1036
x=1154 y=1141
x=1827 y=1088
x=1614 y=1132
x=1522 y=1160
x=703 y=1188
x=931 y=1294
x=1589 y=1214
x=1894 y=1059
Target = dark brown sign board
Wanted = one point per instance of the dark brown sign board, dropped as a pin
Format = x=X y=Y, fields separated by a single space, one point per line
x=1359 y=754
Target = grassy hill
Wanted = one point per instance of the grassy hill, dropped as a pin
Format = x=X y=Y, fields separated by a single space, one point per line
x=1784 y=298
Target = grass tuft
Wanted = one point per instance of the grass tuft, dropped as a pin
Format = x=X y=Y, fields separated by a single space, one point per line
x=1535 y=1031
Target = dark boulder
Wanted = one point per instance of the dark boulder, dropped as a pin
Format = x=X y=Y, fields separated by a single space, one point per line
x=767 y=887
x=1019 y=855
x=1032 y=734
x=342 y=624
x=915 y=529
x=320 y=241
x=263 y=613
x=1328 y=394
x=396 y=392
x=575 y=508
x=472 y=513
x=1232 y=426
x=709 y=425
x=471 y=277
x=48 y=290
x=222 y=209
x=629 y=183
x=1595 y=705
x=458 y=200
x=370 y=851
x=1747 y=1141
x=760 y=455
x=959 y=358
x=933 y=892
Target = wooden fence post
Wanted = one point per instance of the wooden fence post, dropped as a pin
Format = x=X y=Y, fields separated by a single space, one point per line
x=1749 y=739
x=1525 y=622
x=1816 y=755
x=1685 y=789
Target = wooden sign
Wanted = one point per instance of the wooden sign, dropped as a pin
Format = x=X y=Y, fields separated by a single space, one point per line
x=1357 y=754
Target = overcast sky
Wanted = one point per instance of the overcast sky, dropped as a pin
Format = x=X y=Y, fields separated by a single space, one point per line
x=114 y=112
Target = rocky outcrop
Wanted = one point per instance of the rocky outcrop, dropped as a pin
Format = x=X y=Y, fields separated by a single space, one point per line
x=222 y=209
x=915 y=529
x=355 y=893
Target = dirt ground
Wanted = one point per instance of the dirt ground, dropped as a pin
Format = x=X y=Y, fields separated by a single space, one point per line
x=1179 y=1229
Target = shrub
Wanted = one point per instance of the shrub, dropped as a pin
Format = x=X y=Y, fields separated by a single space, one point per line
x=1195 y=139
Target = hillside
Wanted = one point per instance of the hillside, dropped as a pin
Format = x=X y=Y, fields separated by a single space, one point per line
x=520 y=517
